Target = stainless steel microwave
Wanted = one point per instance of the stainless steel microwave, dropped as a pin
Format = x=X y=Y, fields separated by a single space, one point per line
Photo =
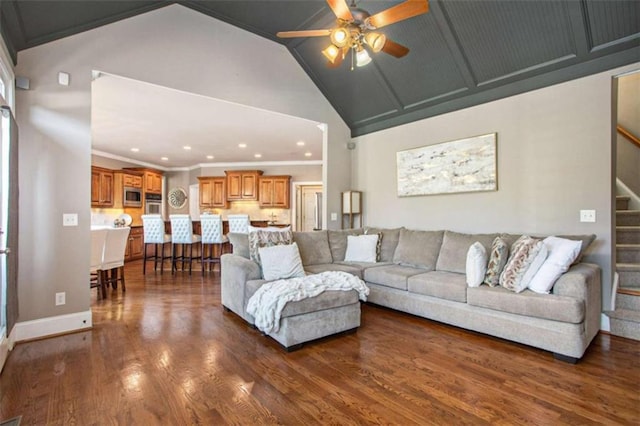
x=132 y=197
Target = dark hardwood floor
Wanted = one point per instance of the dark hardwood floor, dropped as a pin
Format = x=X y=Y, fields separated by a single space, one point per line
x=165 y=352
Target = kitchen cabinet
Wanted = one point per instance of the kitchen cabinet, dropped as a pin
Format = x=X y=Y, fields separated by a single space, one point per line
x=153 y=182
x=101 y=187
x=132 y=181
x=213 y=192
x=274 y=191
x=135 y=245
x=242 y=185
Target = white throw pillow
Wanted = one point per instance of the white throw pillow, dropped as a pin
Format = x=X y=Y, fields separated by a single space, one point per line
x=477 y=259
x=361 y=248
x=281 y=262
x=562 y=253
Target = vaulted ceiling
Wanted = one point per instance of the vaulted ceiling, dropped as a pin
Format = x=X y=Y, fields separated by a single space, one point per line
x=462 y=52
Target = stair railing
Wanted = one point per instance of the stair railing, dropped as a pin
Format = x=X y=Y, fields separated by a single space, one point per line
x=628 y=135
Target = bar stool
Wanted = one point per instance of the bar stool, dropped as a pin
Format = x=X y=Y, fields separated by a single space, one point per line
x=212 y=237
x=98 y=240
x=239 y=223
x=182 y=234
x=113 y=260
x=153 y=229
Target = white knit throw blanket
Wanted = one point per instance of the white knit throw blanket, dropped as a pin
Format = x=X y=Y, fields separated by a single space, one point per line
x=267 y=303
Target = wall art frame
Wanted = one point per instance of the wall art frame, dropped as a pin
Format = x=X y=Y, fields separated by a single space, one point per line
x=463 y=165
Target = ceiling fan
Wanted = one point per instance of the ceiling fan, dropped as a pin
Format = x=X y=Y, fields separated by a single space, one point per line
x=355 y=30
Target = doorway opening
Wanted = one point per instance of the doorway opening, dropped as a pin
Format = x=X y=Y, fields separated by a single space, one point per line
x=308 y=206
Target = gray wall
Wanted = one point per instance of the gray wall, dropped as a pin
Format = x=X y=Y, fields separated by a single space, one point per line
x=554 y=159
x=174 y=47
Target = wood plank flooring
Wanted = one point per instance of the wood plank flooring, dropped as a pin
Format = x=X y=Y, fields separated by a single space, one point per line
x=165 y=352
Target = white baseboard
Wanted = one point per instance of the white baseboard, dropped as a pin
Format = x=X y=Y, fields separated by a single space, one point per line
x=34 y=329
x=605 y=324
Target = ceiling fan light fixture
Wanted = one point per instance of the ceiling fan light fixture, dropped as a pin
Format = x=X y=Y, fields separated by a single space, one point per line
x=331 y=53
x=375 y=40
x=340 y=37
x=362 y=57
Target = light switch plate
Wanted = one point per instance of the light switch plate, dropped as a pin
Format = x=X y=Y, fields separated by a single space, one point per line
x=334 y=216
x=61 y=298
x=63 y=78
x=587 y=215
x=69 y=219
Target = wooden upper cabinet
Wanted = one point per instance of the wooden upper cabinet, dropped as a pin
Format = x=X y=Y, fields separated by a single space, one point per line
x=213 y=192
x=133 y=181
x=153 y=182
x=101 y=187
x=274 y=191
x=242 y=185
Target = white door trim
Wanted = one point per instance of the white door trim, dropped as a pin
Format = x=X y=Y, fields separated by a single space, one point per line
x=294 y=201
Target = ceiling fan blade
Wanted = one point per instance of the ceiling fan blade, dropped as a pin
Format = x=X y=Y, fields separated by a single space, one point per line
x=395 y=49
x=400 y=12
x=305 y=33
x=340 y=8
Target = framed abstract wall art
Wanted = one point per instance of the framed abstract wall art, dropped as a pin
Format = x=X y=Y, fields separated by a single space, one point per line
x=464 y=165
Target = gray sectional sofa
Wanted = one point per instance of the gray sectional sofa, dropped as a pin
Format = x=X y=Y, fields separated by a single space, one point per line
x=423 y=273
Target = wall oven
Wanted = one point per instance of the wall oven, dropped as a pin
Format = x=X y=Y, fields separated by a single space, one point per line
x=152 y=203
x=132 y=197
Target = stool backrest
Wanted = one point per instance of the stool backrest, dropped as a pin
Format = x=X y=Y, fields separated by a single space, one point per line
x=115 y=247
x=211 y=231
x=153 y=228
x=181 y=229
x=239 y=223
x=98 y=240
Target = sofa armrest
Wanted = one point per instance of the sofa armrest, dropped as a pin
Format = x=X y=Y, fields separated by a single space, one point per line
x=235 y=272
x=583 y=282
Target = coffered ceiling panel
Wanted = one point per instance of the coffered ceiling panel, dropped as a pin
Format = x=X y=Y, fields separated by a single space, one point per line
x=462 y=52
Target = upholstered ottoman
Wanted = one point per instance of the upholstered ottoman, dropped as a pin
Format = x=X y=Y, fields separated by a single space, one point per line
x=330 y=312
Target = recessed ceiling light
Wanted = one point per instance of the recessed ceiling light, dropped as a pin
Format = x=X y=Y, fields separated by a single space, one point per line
x=257 y=155
x=164 y=158
x=242 y=145
x=135 y=149
x=307 y=154
x=187 y=147
x=210 y=157
x=300 y=143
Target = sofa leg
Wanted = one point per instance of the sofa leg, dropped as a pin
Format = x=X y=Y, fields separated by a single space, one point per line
x=566 y=358
x=294 y=347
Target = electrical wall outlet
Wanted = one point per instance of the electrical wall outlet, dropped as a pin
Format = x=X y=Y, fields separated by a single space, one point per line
x=69 y=219
x=61 y=298
x=587 y=215
x=334 y=216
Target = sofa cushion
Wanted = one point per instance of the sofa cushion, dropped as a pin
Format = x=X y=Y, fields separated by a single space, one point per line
x=525 y=258
x=326 y=300
x=391 y=276
x=418 y=248
x=266 y=238
x=441 y=284
x=316 y=269
x=453 y=253
x=314 y=247
x=586 y=242
x=476 y=264
x=527 y=303
x=389 y=242
x=338 y=242
x=281 y=262
x=497 y=259
x=362 y=248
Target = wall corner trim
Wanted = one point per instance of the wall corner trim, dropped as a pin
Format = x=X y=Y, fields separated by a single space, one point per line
x=50 y=326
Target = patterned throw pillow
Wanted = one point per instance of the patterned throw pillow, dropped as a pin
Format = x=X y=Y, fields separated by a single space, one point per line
x=378 y=246
x=497 y=260
x=527 y=255
x=267 y=238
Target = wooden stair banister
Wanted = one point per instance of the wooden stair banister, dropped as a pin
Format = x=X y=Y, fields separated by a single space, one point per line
x=630 y=136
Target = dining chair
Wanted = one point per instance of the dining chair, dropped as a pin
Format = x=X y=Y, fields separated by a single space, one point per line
x=113 y=259
x=182 y=235
x=154 y=235
x=212 y=239
x=98 y=240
